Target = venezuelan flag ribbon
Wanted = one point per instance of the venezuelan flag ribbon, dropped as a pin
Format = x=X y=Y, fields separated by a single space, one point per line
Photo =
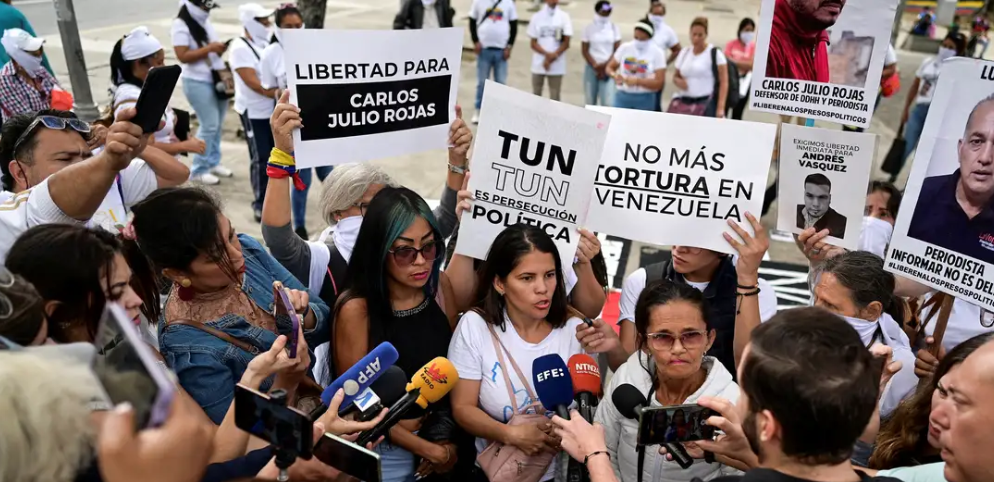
x=282 y=165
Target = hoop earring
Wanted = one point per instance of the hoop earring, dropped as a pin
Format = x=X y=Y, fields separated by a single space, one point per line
x=185 y=292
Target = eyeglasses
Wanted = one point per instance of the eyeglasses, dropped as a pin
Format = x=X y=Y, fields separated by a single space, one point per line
x=689 y=339
x=6 y=281
x=54 y=123
x=406 y=255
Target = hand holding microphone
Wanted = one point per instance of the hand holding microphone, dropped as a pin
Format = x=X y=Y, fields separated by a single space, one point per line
x=586 y=379
x=362 y=374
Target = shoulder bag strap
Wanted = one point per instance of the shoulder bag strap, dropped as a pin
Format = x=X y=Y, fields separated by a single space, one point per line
x=219 y=334
x=257 y=57
x=490 y=10
x=500 y=349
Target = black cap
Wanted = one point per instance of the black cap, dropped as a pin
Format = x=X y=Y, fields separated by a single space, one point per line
x=627 y=399
x=602 y=6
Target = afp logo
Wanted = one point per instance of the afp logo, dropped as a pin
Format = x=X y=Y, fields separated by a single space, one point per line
x=352 y=387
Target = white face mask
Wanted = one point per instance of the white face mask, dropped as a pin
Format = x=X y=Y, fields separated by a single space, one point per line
x=945 y=53
x=875 y=236
x=601 y=20
x=259 y=32
x=641 y=44
x=346 y=232
x=747 y=37
x=656 y=19
x=198 y=14
x=28 y=62
x=867 y=329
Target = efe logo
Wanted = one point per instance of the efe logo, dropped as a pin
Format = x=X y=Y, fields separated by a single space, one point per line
x=554 y=373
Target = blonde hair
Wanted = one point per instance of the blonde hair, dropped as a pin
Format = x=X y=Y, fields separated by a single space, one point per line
x=47 y=434
x=700 y=22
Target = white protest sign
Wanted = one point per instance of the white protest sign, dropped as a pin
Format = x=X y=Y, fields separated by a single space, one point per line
x=675 y=179
x=821 y=60
x=822 y=182
x=534 y=162
x=944 y=234
x=370 y=94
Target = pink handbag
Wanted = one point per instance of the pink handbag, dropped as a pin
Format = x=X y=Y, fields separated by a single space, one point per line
x=507 y=463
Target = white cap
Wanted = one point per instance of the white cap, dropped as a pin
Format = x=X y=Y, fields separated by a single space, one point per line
x=22 y=40
x=250 y=11
x=139 y=44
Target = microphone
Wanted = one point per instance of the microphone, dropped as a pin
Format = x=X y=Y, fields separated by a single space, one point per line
x=385 y=391
x=586 y=378
x=629 y=401
x=362 y=374
x=432 y=382
x=552 y=384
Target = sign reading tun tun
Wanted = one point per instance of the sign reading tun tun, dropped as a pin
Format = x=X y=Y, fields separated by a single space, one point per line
x=371 y=94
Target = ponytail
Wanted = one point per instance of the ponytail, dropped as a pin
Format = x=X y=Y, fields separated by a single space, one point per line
x=120 y=69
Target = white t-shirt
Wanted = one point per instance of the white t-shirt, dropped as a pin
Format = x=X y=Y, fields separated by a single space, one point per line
x=635 y=283
x=549 y=26
x=640 y=63
x=890 y=58
x=271 y=68
x=919 y=473
x=696 y=69
x=964 y=323
x=601 y=36
x=24 y=210
x=132 y=185
x=201 y=69
x=126 y=95
x=494 y=31
x=664 y=36
x=928 y=74
x=245 y=55
x=472 y=352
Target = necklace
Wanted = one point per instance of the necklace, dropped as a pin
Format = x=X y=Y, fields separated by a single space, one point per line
x=412 y=311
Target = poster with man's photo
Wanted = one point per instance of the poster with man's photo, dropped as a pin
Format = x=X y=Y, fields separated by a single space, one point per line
x=944 y=234
x=821 y=59
x=371 y=94
x=822 y=181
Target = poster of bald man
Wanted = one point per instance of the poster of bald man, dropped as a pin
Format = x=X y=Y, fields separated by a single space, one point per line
x=944 y=233
x=822 y=181
x=821 y=59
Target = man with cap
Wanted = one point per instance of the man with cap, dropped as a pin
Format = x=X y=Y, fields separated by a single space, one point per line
x=25 y=85
x=11 y=17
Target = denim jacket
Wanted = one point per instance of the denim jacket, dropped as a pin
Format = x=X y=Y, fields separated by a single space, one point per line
x=208 y=367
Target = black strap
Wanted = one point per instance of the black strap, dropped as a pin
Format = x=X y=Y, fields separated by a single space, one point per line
x=714 y=69
x=490 y=10
x=257 y=57
x=641 y=464
x=655 y=271
x=337 y=268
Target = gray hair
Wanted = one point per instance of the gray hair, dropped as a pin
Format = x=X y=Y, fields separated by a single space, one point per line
x=48 y=434
x=862 y=273
x=346 y=184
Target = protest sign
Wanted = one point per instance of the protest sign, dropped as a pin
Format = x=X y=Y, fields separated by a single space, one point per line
x=944 y=234
x=534 y=162
x=821 y=60
x=370 y=94
x=822 y=181
x=679 y=187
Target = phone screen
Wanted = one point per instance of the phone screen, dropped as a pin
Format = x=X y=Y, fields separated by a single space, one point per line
x=348 y=457
x=123 y=372
x=287 y=320
x=680 y=423
x=259 y=415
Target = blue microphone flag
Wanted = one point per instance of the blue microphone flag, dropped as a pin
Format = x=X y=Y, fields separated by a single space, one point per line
x=362 y=374
x=553 y=384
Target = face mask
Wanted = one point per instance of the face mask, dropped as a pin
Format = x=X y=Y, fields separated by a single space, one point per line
x=641 y=44
x=427 y=3
x=945 y=53
x=875 y=236
x=198 y=14
x=656 y=19
x=747 y=37
x=258 y=31
x=601 y=20
x=346 y=232
x=28 y=62
x=867 y=329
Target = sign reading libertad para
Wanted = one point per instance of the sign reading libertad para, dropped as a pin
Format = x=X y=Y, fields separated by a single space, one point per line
x=371 y=94
x=679 y=188
x=534 y=162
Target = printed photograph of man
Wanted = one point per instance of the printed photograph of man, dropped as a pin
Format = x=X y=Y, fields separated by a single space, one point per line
x=954 y=210
x=799 y=39
x=817 y=211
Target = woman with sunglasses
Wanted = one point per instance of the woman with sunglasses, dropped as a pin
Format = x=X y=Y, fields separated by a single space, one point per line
x=669 y=366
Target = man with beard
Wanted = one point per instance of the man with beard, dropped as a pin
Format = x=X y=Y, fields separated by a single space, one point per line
x=817 y=209
x=799 y=39
x=954 y=210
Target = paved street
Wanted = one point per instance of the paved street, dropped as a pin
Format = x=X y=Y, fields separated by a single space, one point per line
x=102 y=22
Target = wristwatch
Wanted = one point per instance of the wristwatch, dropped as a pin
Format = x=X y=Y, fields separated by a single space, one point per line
x=457 y=169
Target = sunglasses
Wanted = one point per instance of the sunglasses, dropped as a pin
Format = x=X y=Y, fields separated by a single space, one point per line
x=54 y=123
x=6 y=281
x=406 y=255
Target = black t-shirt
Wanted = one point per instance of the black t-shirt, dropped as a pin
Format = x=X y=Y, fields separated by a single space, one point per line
x=770 y=475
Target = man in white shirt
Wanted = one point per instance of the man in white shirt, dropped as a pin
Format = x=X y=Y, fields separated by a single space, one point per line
x=493 y=25
x=550 y=30
x=46 y=162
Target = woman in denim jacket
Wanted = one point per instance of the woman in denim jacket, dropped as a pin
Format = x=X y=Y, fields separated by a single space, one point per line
x=220 y=280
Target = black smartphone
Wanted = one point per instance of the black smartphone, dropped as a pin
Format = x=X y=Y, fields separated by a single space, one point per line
x=154 y=97
x=678 y=423
x=348 y=457
x=270 y=420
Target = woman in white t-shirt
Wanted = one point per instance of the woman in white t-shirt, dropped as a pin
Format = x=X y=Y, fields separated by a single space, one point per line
x=600 y=39
x=522 y=303
x=639 y=69
x=698 y=92
x=254 y=103
x=198 y=49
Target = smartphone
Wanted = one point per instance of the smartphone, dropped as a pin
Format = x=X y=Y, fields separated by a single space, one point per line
x=678 y=423
x=129 y=370
x=154 y=97
x=287 y=319
x=290 y=429
x=349 y=458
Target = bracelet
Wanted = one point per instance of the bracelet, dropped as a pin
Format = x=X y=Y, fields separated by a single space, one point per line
x=744 y=287
x=749 y=293
x=457 y=169
x=587 y=458
x=306 y=312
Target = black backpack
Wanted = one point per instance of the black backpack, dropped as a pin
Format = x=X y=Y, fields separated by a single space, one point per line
x=732 y=98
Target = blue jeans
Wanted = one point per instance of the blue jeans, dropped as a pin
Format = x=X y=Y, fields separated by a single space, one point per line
x=597 y=89
x=210 y=113
x=259 y=137
x=298 y=199
x=396 y=464
x=489 y=59
x=913 y=129
x=628 y=100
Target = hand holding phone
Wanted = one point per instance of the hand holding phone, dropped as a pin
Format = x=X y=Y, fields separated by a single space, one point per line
x=289 y=429
x=154 y=97
x=678 y=423
x=287 y=320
